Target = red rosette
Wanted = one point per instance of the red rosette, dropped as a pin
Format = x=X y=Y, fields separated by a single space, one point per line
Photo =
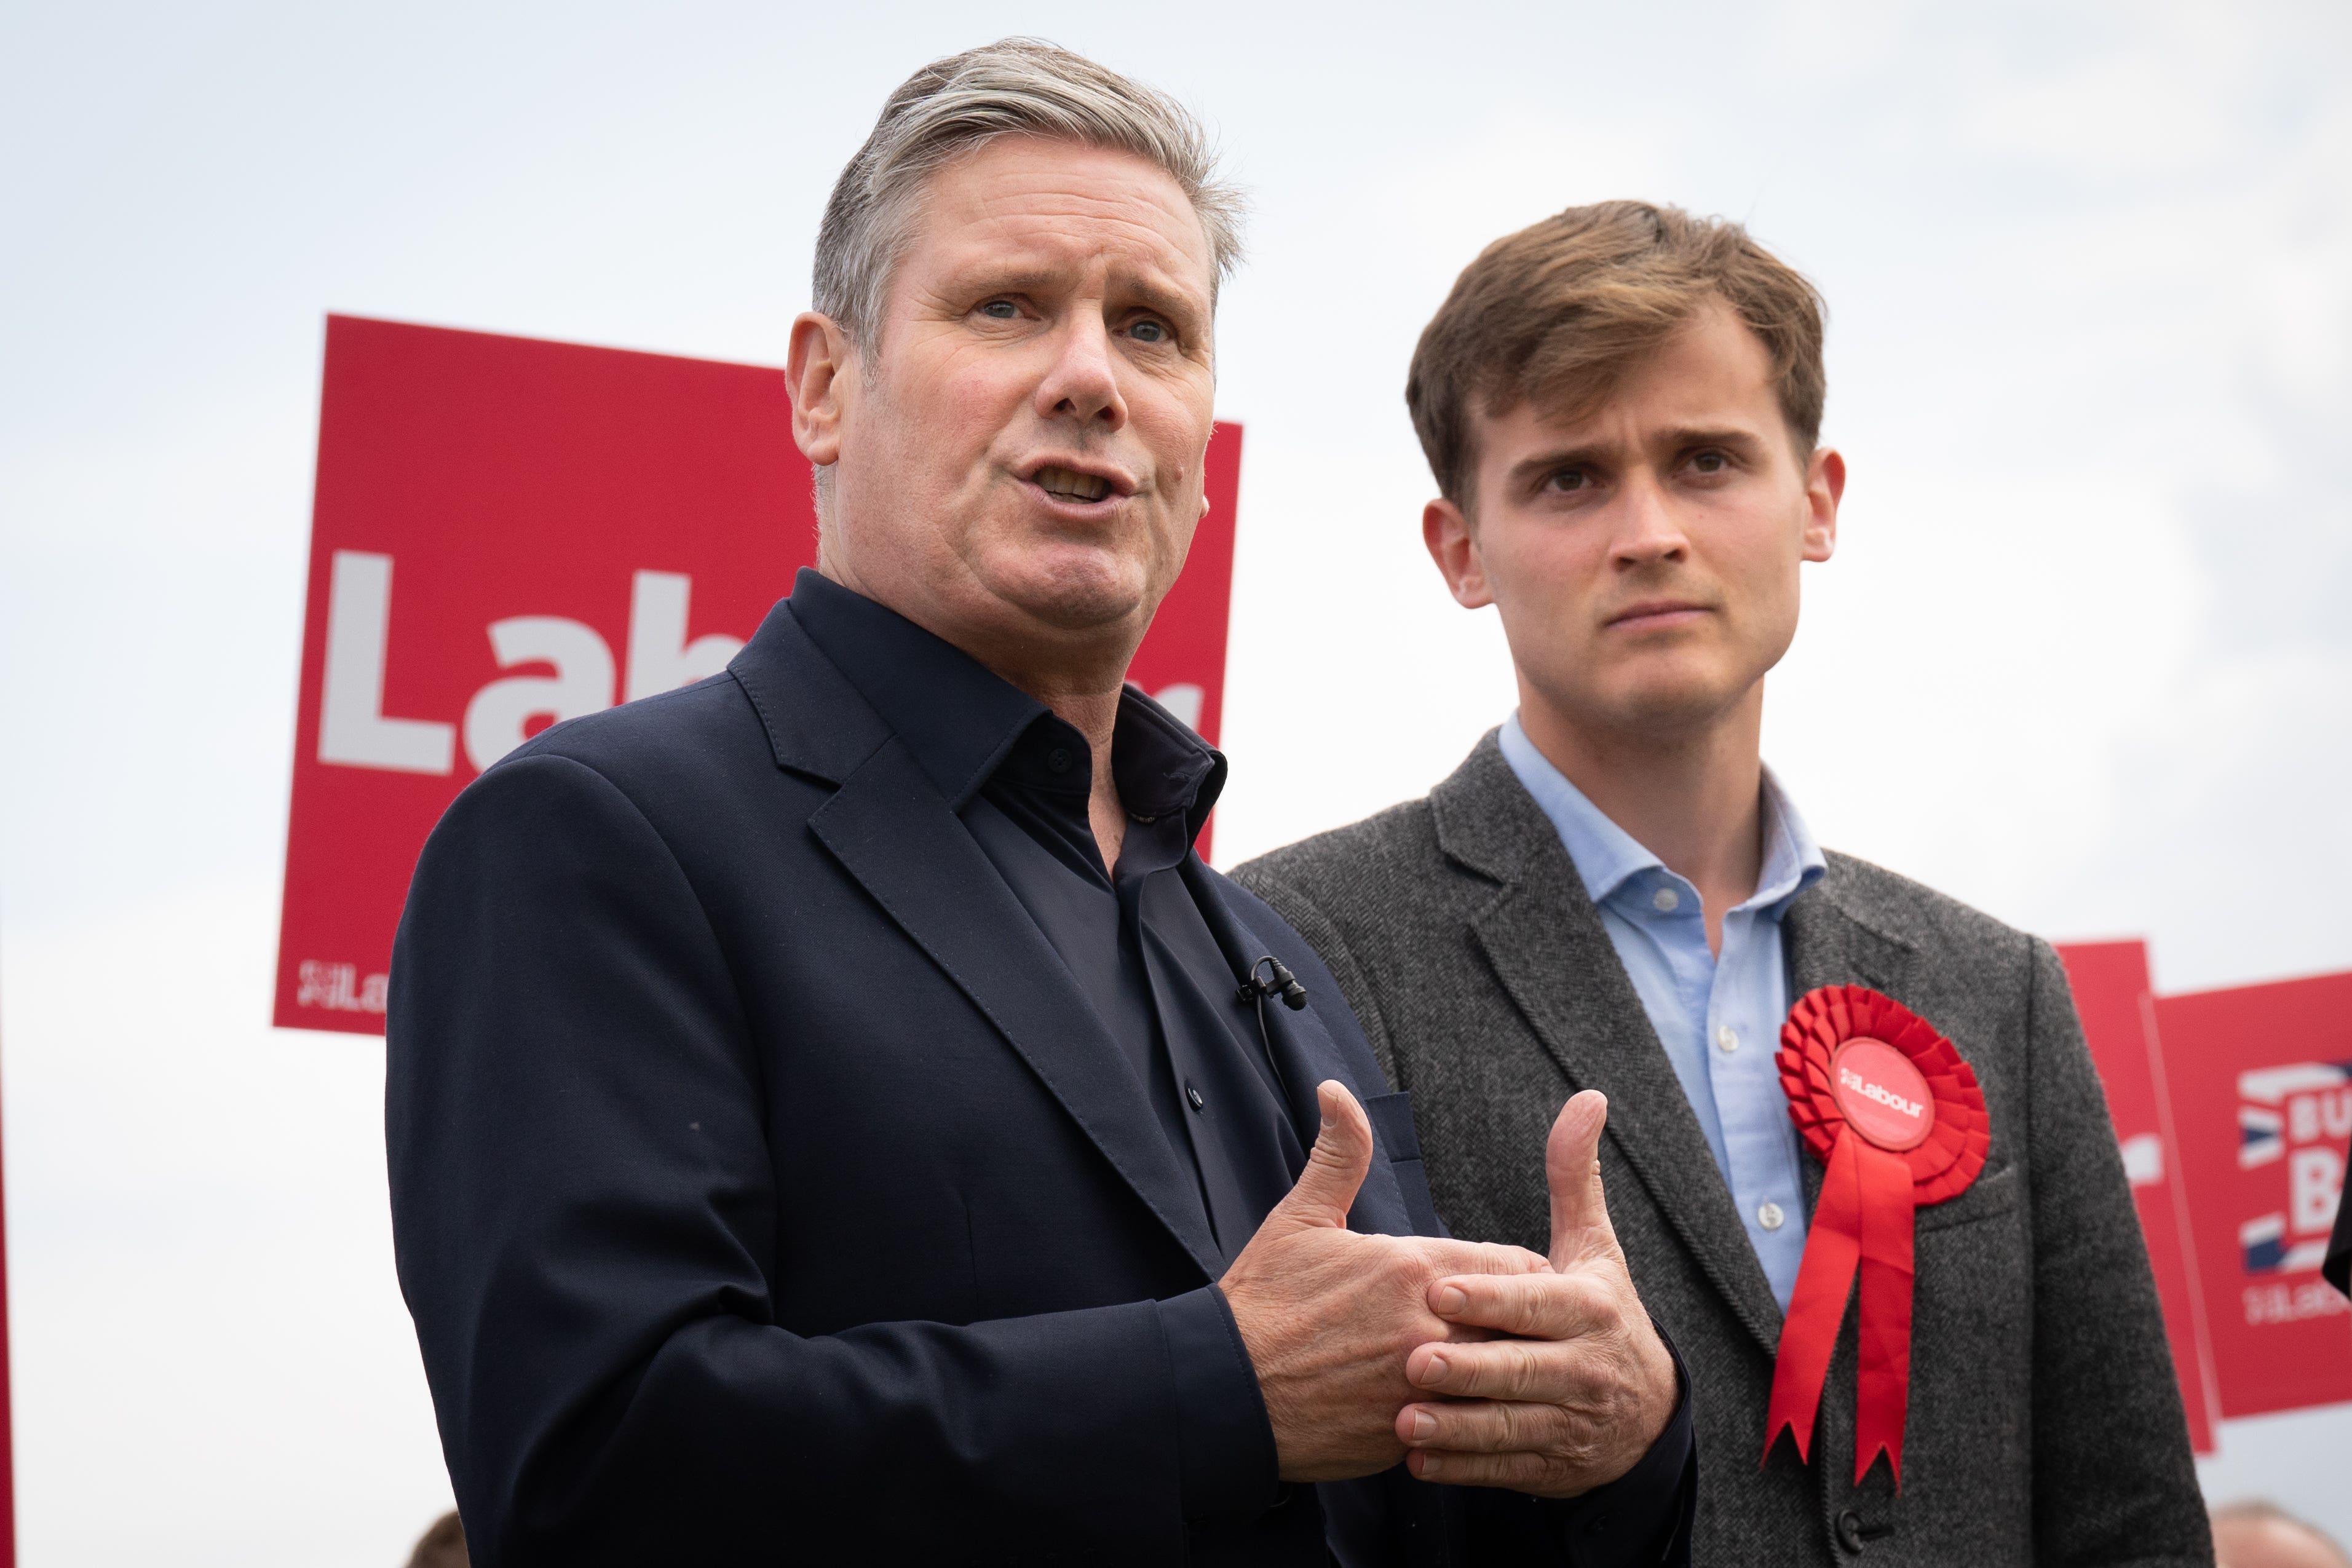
x=1821 y=1021
x=1885 y=1102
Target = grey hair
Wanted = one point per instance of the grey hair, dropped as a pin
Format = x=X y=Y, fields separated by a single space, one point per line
x=1015 y=87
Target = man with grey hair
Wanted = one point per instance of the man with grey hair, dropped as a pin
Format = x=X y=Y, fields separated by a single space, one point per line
x=833 y=1112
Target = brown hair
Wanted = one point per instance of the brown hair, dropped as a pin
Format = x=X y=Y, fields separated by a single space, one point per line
x=443 y=1546
x=1558 y=313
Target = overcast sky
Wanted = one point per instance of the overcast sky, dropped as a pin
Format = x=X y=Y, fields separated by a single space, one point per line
x=2082 y=658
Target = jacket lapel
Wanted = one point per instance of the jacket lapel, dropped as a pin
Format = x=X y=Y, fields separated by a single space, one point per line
x=1546 y=944
x=1824 y=944
x=1306 y=1054
x=891 y=828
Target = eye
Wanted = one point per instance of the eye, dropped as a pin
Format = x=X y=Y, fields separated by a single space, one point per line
x=1567 y=480
x=1148 y=331
x=999 y=310
x=1710 y=462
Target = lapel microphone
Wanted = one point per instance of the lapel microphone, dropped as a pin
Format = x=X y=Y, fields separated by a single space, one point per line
x=1281 y=982
x=1256 y=988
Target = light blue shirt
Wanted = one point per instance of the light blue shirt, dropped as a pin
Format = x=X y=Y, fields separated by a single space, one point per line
x=1718 y=1017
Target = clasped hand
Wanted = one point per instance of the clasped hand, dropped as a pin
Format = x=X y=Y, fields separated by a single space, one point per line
x=1481 y=1364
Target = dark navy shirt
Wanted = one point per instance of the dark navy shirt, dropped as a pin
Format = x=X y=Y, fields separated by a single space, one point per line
x=1020 y=778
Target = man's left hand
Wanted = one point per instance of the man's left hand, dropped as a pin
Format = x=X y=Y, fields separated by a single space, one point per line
x=1579 y=1396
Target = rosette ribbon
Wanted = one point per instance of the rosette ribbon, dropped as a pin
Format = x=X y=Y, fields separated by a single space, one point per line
x=1886 y=1103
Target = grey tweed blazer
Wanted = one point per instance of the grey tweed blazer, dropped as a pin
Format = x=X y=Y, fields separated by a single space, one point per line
x=2044 y=1424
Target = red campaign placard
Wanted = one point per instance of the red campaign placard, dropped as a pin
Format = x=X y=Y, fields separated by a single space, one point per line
x=2112 y=997
x=508 y=533
x=2260 y=1085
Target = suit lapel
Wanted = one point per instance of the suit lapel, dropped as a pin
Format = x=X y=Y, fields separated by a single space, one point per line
x=891 y=829
x=1547 y=945
x=1306 y=1054
x=1823 y=944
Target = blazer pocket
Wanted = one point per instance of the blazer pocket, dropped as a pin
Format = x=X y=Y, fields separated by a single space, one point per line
x=1391 y=1118
x=1992 y=1194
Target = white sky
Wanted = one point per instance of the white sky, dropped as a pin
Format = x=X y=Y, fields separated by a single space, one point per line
x=2090 y=270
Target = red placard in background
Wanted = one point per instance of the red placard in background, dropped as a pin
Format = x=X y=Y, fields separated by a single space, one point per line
x=508 y=532
x=2260 y=1085
x=2112 y=995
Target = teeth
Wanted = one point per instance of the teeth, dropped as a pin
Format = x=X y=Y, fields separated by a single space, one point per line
x=1070 y=485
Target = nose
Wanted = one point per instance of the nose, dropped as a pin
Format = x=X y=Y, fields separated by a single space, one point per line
x=1647 y=531
x=1081 y=384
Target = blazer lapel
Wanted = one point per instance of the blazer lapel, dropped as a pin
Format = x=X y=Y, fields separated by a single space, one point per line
x=1823 y=944
x=1546 y=944
x=890 y=828
x=1306 y=1054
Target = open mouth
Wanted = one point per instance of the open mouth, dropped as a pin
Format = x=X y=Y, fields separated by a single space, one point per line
x=1069 y=485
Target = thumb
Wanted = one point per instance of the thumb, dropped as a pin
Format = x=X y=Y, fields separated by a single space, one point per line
x=1336 y=1167
x=1579 y=1210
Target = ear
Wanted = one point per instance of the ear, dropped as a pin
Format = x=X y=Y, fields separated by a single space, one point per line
x=817 y=372
x=1445 y=529
x=1824 y=488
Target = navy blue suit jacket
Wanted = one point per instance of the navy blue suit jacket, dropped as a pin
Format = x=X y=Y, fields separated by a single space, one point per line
x=764 y=1189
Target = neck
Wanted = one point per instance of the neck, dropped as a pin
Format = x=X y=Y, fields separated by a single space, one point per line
x=1693 y=796
x=1079 y=680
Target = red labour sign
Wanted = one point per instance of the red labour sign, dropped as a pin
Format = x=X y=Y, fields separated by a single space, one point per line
x=507 y=533
x=2261 y=1082
x=2110 y=982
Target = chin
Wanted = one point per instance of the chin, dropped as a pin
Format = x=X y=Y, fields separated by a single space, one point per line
x=1075 y=597
x=1668 y=706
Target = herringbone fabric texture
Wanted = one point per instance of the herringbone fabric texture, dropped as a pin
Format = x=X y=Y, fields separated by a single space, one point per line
x=2045 y=1426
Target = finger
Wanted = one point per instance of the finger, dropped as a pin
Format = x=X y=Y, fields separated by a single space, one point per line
x=1523 y=1472
x=1484 y=1426
x=1446 y=1255
x=1336 y=1167
x=1545 y=1370
x=1579 y=1210
x=1545 y=1306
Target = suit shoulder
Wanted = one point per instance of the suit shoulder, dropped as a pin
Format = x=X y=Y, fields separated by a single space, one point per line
x=1345 y=867
x=657 y=734
x=695 y=753
x=1915 y=914
x=710 y=713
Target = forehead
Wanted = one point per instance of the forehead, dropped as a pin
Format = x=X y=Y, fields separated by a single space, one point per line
x=1711 y=373
x=1029 y=203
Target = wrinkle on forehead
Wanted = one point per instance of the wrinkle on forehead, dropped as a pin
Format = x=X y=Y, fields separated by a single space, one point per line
x=1065 y=201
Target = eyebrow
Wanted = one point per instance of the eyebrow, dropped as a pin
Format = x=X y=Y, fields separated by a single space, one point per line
x=1680 y=438
x=1168 y=300
x=1154 y=294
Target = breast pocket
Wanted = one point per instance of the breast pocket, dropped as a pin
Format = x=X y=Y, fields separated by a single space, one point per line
x=1989 y=1196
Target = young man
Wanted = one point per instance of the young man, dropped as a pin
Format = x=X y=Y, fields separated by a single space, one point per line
x=1621 y=405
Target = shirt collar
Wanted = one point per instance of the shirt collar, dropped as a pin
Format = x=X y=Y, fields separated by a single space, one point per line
x=1607 y=857
x=962 y=721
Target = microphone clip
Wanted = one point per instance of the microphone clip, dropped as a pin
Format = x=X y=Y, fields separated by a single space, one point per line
x=1278 y=982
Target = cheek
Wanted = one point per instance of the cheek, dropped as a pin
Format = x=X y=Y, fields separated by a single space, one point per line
x=1555 y=567
x=1763 y=585
x=950 y=409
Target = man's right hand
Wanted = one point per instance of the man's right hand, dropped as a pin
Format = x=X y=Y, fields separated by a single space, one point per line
x=1328 y=1316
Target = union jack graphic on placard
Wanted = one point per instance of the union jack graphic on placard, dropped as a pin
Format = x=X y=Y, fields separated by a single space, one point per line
x=2263 y=1242
x=2258 y=1136
x=2304 y=1107
x=2258 y=1079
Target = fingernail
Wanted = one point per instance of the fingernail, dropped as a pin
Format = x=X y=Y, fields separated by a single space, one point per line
x=1434 y=1369
x=1424 y=1427
x=1430 y=1464
x=1449 y=1300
